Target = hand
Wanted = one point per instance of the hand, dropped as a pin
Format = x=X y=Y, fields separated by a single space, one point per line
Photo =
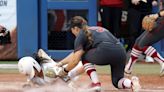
x=59 y=64
x=135 y=2
x=62 y=72
x=154 y=3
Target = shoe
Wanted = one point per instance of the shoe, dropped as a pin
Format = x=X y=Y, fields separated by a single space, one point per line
x=135 y=84
x=95 y=87
x=43 y=57
x=42 y=54
x=149 y=59
x=162 y=70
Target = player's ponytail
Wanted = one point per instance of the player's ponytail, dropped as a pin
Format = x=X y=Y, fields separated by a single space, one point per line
x=80 y=22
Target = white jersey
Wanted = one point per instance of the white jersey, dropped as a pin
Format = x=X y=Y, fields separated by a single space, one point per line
x=45 y=80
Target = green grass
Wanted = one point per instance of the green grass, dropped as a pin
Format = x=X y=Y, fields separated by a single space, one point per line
x=139 y=69
x=8 y=62
x=9 y=71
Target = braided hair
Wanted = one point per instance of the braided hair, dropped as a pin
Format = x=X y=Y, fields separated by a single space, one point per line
x=81 y=23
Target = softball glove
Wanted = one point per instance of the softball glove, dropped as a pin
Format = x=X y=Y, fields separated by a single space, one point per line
x=148 y=23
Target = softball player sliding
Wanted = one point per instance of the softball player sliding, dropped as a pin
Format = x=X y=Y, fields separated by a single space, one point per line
x=98 y=46
x=144 y=42
x=36 y=71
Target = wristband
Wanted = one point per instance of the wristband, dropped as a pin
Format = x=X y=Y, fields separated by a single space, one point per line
x=65 y=70
x=159 y=15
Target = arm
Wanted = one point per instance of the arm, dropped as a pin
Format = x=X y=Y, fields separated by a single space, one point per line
x=75 y=58
x=157 y=15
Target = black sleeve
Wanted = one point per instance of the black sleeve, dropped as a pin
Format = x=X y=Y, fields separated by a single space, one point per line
x=80 y=42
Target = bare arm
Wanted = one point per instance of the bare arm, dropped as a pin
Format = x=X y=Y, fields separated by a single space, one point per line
x=74 y=59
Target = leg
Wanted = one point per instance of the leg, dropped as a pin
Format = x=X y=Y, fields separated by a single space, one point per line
x=91 y=71
x=78 y=70
x=135 y=54
x=120 y=82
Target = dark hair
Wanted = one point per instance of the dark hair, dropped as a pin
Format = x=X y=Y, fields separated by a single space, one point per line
x=81 y=23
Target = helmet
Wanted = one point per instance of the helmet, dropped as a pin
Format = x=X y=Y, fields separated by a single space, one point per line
x=26 y=66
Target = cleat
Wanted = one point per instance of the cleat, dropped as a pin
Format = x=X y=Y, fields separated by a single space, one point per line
x=43 y=54
x=43 y=57
x=162 y=70
x=135 y=84
x=95 y=87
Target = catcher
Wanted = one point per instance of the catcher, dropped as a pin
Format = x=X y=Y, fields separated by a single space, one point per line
x=154 y=31
x=36 y=68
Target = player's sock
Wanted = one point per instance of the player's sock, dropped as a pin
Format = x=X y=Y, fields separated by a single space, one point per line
x=135 y=53
x=91 y=71
x=75 y=72
x=124 y=83
x=151 y=51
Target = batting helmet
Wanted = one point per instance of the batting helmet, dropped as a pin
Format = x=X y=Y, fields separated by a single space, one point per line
x=26 y=66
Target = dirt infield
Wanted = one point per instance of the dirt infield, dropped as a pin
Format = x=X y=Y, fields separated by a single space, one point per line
x=14 y=82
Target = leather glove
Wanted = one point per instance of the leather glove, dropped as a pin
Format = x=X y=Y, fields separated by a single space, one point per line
x=148 y=23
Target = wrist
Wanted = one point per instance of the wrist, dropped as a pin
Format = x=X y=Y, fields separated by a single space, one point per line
x=65 y=70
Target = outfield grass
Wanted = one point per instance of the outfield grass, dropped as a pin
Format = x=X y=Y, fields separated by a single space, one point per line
x=139 y=69
x=8 y=62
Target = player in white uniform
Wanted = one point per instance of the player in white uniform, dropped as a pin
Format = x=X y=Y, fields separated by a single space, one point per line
x=36 y=71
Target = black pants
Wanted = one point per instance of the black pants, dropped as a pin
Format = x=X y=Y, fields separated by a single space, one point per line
x=111 y=19
x=109 y=54
x=149 y=38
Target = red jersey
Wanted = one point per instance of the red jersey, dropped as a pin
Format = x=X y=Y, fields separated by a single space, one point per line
x=112 y=3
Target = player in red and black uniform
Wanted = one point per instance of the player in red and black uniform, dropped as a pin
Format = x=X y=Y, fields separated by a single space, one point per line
x=136 y=11
x=144 y=42
x=98 y=46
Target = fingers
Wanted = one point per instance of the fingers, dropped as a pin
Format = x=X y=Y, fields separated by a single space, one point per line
x=59 y=64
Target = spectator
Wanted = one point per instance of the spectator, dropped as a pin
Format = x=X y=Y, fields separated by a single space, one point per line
x=110 y=12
